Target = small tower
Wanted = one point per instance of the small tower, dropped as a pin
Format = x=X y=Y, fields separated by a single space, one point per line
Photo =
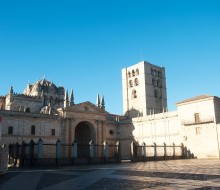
x=98 y=101
x=71 y=98
x=66 y=99
x=103 y=103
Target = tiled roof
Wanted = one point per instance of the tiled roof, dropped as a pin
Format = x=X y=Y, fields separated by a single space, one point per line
x=204 y=96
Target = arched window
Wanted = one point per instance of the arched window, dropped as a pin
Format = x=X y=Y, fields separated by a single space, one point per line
x=134 y=94
x=152 y=72
x=33 y=130
x=133 y=73
x=156 y=94
x=130 y=83
x=136 y=82
x=45 y=100
x=154 y=82
x=129 y=74
x=159 y=74
x=159 y=83
x=137 y=71
x=56 y=100
x=51 y=100
x=27 y=110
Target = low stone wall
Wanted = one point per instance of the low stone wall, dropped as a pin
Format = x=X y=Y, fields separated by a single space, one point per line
x=3 y=159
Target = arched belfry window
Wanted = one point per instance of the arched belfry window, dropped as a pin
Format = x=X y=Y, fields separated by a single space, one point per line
x=133 y=73
x=130 y=83
x=152 y=72
x=134 y=94
x=159 y=83
x=154 y=82
x=156 y=94
x=136 y=82
x=137 y=71
x=129 y=74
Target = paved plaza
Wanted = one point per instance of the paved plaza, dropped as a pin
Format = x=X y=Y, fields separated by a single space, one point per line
x=173 y=174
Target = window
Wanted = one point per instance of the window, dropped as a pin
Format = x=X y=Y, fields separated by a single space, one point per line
x=10 y=130
x=131 y=83
x=154 y=82
x=52 y=132
x=196 y=116
x=136 y=82
x=134 y=94
x=129 y=74
x=33 y=130
x=45 y=100
x=198 y=130
x=51 y=100
x=159 y=83
x=156 y=94
x=133 y=73
x=137 y=71
x=159 y=74
x=111 y=132
x=152 y=72
x=27 y=110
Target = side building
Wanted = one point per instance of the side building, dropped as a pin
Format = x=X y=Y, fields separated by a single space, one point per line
x=195 y=123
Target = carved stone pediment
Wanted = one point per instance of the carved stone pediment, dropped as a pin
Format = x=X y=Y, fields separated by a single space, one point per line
x=87 y=107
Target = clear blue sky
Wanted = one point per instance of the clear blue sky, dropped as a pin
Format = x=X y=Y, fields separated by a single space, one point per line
x=84 y=44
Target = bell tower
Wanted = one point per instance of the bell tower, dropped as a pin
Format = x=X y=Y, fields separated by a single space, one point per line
x=144 y=89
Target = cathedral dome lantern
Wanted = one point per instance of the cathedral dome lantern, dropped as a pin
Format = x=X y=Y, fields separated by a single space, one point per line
x=43 y=86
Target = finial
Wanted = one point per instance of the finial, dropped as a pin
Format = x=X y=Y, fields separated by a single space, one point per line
x=11 y=90
x=103 y=103
x=66 y=99
x=71 y=97
x=98 y=101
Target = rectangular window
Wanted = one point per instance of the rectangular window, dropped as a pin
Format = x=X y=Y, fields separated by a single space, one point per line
x=198 y=130
x=52 y=132
x=10 y=130
x=196 y=115
x=33 y=130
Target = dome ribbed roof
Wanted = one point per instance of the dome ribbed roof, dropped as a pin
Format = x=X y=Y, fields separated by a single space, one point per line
x=45 y=86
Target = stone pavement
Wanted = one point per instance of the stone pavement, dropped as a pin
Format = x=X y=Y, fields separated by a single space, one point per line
x=173 y=174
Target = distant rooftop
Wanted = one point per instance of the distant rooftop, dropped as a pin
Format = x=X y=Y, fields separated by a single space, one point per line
x=204 y=96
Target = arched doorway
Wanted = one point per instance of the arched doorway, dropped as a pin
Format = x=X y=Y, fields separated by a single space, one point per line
x=84 y=133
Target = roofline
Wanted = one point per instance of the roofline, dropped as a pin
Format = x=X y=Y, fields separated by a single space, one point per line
x=198 y=100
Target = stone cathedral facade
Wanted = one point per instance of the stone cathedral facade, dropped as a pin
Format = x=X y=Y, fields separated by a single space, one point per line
x=48 y=112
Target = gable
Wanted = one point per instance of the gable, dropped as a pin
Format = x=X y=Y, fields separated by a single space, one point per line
x=86 y=107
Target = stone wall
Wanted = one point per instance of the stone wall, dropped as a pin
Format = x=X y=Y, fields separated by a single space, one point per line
x=21 y=124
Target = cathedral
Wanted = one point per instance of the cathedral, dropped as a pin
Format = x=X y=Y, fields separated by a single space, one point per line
x=48 y=112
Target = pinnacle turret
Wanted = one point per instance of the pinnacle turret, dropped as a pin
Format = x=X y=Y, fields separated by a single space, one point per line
x=66 y=99
x=103 y=103
x=71 y=98
x=11 y=90
x=98 y=101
